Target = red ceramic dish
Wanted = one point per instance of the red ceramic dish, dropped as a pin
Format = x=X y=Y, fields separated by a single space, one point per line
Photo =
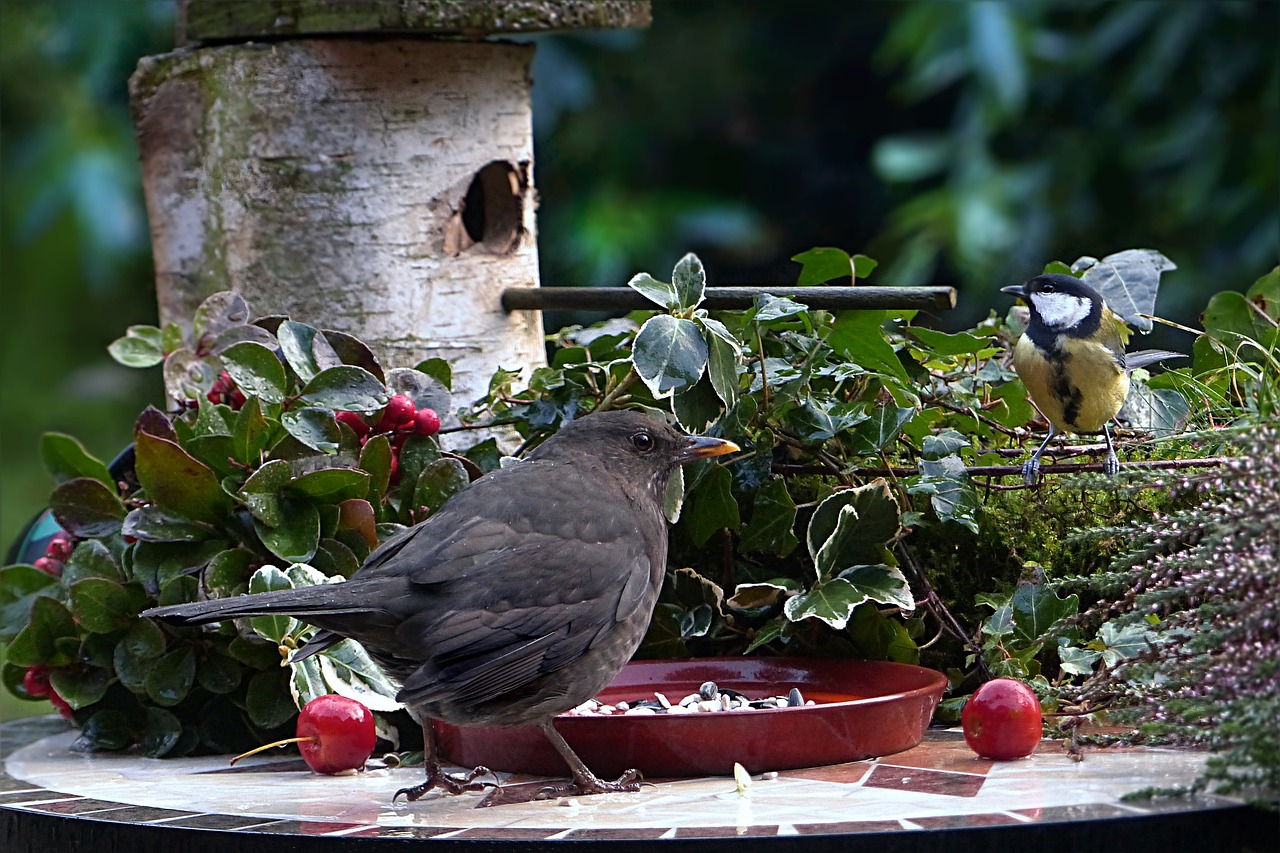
x=864 y=709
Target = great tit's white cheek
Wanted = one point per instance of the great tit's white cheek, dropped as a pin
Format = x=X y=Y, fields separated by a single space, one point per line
x=1060 y=310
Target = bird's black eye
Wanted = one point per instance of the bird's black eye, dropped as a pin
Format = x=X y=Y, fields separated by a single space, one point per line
x=1047 y=287
x=642 y=441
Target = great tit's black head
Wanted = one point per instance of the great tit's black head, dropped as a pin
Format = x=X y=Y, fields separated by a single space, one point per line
x=1059 y=302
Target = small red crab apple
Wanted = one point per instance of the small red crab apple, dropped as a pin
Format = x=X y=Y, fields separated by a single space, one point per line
x=1002 y=720
x=426 y=421
x=398 y=413
x=334 y=734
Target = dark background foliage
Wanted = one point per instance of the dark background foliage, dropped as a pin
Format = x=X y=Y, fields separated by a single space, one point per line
x=958 y=143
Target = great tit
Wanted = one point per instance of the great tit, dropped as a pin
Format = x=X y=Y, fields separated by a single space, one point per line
x=1072 y=360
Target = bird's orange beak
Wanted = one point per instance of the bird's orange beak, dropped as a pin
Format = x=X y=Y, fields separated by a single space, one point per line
x=704 y=447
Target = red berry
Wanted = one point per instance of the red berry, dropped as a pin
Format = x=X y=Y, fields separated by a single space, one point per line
x=1002 y=720
x=334 y=734
x=36 y=682
x=399 y=412
x=237 y=399
x=61 y=704
x=49 y=566
x=59 y=547
x=426 y=421
x=351 y=419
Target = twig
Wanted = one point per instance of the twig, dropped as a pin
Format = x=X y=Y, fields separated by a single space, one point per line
x=946 y=621
x=612 y=396
x=1012 y=470
x=486 y=425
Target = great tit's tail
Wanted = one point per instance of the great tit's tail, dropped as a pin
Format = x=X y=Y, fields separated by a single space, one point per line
x=1141 y=358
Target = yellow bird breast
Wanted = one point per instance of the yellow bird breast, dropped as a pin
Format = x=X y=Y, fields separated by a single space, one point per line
x=1079 y=388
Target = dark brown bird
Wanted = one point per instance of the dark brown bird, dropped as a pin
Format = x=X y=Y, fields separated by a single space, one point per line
x=520 y=599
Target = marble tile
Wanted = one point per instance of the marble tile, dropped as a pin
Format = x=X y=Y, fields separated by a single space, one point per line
x=964 y=820
x=225 y=822
x=848 y=774
x=849 y=827
x=724 y=831
x=947 y=755
x=920 y=781
x=139 y=814
x=617 y=834
x=81 y=805
x=508 y=833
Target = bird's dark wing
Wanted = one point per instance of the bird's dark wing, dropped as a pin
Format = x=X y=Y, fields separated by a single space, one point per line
x=1141 y=358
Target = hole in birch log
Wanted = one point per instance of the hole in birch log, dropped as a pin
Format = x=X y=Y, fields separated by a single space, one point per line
x=492 y=209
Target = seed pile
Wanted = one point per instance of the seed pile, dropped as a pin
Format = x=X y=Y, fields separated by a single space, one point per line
x=710 y=698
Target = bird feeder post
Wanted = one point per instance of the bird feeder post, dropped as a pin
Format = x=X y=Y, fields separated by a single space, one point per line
x=366 y=167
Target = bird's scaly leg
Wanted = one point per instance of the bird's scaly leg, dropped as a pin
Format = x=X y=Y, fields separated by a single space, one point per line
x=1031 y=468
x=1112 y=465
x=437 y=778
x=584 y=781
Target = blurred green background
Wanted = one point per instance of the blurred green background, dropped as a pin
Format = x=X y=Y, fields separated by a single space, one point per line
x=960 y=143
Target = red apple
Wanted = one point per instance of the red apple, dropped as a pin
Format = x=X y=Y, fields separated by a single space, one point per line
x=1002 y=720
x=334 y=734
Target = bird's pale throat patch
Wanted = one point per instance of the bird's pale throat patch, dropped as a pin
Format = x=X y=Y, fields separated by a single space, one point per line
x=1061 y=310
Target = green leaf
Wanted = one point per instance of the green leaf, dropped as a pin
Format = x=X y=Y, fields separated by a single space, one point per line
x=80 y=686
x=857 y=336
x=171 y=677
x=256 y=370
x=885 y=584
x=307 y=352
x=346 y=389
x=863 y=266
x=438 y=369
x=1129 y=281
x=822 y=265
x=941 y=343
x=91 y=559
x=175 y=481
x=879 y=637
x=349 y=671
x=1075 y=660
x=1017 y=406
x=296 y=536
x=137 y=652
x=851 y=527
x=773 y=518
x=753 y=596
x=306 y=681
x=162 y=732
x=102 y=606
x=86 y=508
x=268 y=701
x=1036 y=607
x=66 y=459
x=723 y=354
x=39 y=642
x=669 y=354
x=219 y=312
x=830 y=601
x=486 y=455
x=332 y=485
x=820 y=420
x=141 y=346
x=154 y=524
x=316 y=428
x=1155 y=410
x=950 y=490
x=659 y=292
x=1123 y=643
x=663 y=639
x=946 y=443
x=689 y=280
x=107 y=730
x=273 y=628
x=252 y=433
x=228 y=572
x=696 y=408
x=711 y=506
x=879 y=430
x=375 y=458
x=438 y=482
x=770 y=308
x=19 y=586
x=776 y=628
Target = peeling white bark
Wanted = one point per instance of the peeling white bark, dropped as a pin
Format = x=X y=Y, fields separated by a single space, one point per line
x=325 y=179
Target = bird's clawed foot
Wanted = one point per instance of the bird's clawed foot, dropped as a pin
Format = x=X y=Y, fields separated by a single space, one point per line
x=1112 y=464
x=1031 y=470
x=629 y=782
x=437 y=778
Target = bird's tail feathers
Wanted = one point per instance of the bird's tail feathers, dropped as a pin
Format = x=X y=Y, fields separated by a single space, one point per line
x=329 y=599
x=1141 y=358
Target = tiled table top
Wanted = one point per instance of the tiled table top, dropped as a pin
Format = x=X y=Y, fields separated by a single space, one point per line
x=937 y=785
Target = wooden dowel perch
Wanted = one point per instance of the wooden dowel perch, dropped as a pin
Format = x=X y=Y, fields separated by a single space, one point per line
x=731 y=298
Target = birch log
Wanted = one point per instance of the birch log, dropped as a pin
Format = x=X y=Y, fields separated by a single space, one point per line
x=377 y=186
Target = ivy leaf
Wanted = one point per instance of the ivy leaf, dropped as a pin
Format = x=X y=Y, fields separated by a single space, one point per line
x=951 y=493
x=942 y=343
x=307 y=352
x=1122 y=643
x=659 y=292
x=346 y=389
x=819 y=266
x=177 y=482
x=66 y=459
x=689 y=280
x=873 y=522
x=673 y=498
x=1128 y=281
x=711 y=506
x=1160 y=410
x=141 y=346
x=773 y=518
x=857 y=336
x=882 y=583
x=316 y=428
x=831 y=601
x=696 y=408
x=1074 y=660
x=349 y=671
x=753 y=596
x=669 y=354
x=770 y=308
x=877 y=637
x=1036 y=607
x=306 y=681
x=863 y=266
x=949 y=442
x=723 y=355
x=86 y=508
x=256 y=370
x=776 y=628
x=879 y=430
x=273 y=628
x=821 y=420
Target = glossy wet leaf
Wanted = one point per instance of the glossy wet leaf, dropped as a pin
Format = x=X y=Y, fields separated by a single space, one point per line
x=40 y=641
x=689 y=280
x=174 y=480
x=171 y=678
x=155 y=524
x=91 y=559
x=257 y=370
x=438 y=482
x=315 y=428
x=268 y=700
x=85 y=507
x=273 y=628
x=81 y=686
x=332 y=485
x=102 y=606
x=142 y=644
x=66 y=459
x=345 y=388
x=19 y=586
x=296 y=535
x=141 y=346
x=306 y=350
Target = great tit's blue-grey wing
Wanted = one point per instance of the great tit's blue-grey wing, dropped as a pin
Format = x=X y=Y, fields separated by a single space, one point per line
x=1142 y=358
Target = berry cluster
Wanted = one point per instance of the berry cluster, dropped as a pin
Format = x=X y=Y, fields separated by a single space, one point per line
x=56 y=554
x=225 y=391
x=399 y=419
x=36 y=682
